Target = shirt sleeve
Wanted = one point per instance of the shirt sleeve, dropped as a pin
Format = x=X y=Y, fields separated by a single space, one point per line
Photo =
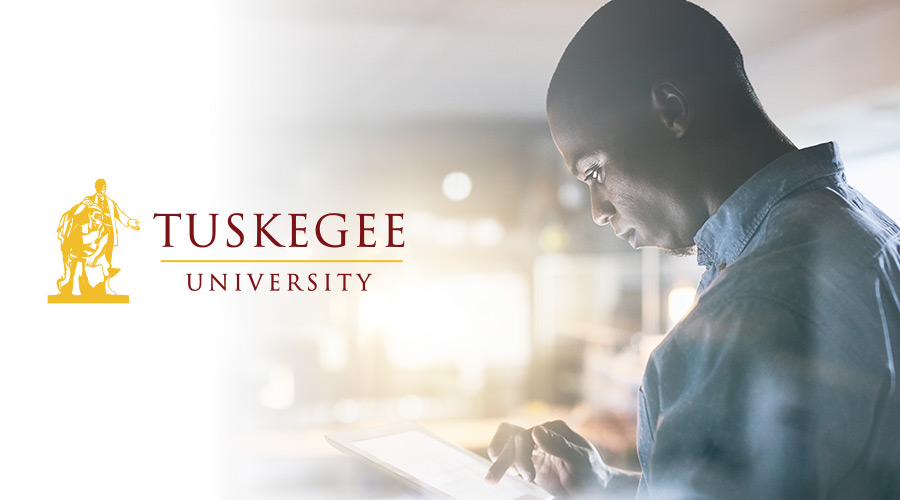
x=118 y=213
x=741 y=404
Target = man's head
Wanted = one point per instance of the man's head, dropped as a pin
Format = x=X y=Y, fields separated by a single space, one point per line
x=637 y=104
x=100 y=186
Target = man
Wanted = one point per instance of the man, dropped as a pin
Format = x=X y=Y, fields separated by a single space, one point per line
x=109 y=212
x=781 y=382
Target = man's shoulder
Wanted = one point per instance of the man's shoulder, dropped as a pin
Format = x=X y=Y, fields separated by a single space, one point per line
x=810 y=271
x=819 y=240
x=836 y=221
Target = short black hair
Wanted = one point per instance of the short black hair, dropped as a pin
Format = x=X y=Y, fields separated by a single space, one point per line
x=628 y=45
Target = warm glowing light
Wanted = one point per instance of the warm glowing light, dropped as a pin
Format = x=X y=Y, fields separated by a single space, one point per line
x=410 y=407
x=450 y=232
x=277 y=393
x=553 y=239
x=347 y=411
x=486 y=232
x=681 y=300
x=333 y=351
x=457 y=186
x=466 y=321
x=374 y=311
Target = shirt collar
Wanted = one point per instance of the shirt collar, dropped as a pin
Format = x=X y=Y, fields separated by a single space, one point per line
x=726 y=233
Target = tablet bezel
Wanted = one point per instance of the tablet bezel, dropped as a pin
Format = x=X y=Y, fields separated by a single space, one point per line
x=344 y=442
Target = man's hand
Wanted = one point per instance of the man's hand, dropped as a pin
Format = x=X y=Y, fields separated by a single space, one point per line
x=552 y=455
x=134 y=224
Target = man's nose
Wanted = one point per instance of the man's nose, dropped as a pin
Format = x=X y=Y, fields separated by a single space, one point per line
x=601 y=209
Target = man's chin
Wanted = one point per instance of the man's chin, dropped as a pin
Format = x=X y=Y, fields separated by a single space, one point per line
x=680 y=252
x=668 y=248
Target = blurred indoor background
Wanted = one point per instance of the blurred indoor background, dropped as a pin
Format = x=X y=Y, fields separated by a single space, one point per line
x=510 y=304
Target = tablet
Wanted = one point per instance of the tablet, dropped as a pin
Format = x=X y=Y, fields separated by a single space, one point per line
x=430 y=464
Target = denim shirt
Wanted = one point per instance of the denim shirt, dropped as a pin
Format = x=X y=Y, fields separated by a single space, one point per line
x=780 y=382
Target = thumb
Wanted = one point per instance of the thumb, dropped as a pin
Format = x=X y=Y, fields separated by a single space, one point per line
x=553 y=443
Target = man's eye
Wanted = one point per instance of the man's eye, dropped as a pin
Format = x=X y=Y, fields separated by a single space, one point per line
x=595 y=174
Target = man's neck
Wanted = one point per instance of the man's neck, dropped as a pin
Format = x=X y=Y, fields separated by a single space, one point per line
x=742 y=154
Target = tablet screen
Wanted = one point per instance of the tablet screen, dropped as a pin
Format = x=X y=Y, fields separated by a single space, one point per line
x=445 y=468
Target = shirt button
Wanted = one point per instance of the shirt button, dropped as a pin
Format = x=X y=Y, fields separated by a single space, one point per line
x=721 y=267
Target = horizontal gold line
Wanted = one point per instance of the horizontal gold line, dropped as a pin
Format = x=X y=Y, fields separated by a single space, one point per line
x=266 y=261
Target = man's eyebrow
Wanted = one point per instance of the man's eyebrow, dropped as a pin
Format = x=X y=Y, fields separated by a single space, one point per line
x=576 y=172
x=573 y=168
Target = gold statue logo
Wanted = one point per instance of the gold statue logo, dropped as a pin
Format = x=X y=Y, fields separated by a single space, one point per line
x=87 y=234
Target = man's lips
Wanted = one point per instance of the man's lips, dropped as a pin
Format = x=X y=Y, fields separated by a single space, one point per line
x=623 y=234
x=629 y=236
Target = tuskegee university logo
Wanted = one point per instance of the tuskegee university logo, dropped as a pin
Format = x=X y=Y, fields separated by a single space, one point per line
x=87 y=235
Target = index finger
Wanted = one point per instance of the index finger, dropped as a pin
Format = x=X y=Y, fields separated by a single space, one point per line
x=503 y=461
x=505 y=433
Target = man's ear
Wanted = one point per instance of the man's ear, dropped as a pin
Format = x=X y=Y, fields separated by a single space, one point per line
x=672 y=108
